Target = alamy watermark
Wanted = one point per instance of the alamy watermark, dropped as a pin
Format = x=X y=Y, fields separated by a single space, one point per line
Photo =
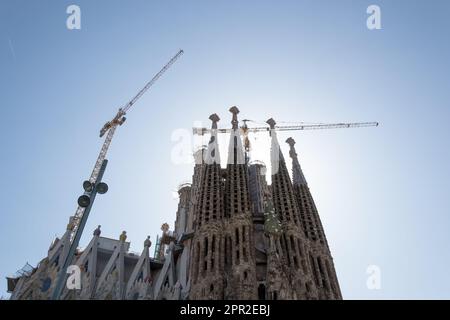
x=374 y=20
x=74 y=279
x=73 y=21
x=374 y=280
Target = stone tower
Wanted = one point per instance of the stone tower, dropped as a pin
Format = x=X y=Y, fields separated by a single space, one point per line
x=181 y=228
x=207 y=276
x=199 y=157
x=259 y=190
x=240 y=266
x=294 y=243
x=320 y=258
x=181 y=221
x=185 y=270
x=235 y=237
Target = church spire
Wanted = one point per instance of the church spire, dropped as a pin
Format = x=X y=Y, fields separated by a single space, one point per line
x=292 y=239
x=206 y=268
x=276 y=156
x=297 y=173
x=321 y=262
x=239 y=258
x=284 y=201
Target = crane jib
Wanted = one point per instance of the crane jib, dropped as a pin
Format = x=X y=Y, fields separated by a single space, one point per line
x=111 y=126
x=78 y=220
x=202 y=131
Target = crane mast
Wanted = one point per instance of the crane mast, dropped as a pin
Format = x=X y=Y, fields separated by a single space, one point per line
x=76 y=218
x=110 y=128
x=94 y=184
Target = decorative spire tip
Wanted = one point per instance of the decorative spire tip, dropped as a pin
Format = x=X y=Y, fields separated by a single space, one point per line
x=290 y=142
x=271 y=123
x=97 y=231
x=147 y=242
x=214 y=118
x=234 y=110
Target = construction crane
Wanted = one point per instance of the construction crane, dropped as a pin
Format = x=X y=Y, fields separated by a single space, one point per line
x=110 y=128
x=94 y=184
x=245 y=129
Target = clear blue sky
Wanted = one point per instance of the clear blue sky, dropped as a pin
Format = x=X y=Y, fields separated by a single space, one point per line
x=382 y=192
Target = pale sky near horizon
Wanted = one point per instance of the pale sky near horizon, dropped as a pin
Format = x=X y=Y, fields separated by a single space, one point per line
x=382 y=193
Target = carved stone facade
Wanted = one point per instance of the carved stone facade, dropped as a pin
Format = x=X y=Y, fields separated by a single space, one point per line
x=235 y=237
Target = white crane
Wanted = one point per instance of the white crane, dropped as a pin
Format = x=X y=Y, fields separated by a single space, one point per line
x=94 y=184
x=110 y=128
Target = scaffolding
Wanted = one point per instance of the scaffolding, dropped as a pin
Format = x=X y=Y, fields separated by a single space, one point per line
x=25 y=271
x=156 y=254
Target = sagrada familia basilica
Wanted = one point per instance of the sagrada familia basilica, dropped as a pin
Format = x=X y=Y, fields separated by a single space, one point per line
x=235 y=237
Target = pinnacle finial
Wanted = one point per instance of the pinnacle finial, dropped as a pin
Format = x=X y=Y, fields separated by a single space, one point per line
x=291 y=142
x=147 y=242
x=234 y=110
x=271 y=123
x=123 y=236
x=214 y=118
x=165 y=227
x=97 y=231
